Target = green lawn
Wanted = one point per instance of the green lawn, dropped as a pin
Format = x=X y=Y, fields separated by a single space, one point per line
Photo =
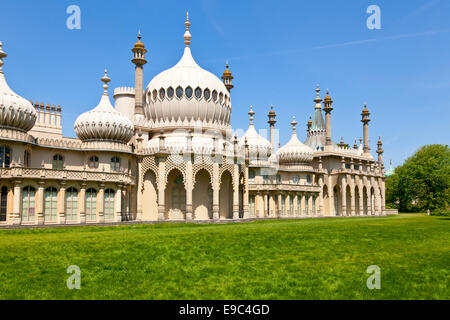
x=299 y=259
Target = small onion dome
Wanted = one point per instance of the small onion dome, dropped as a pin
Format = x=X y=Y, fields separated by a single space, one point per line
x=256 y=143
x=327 y=98
x=139 y=44
x=294 y=152
x=104 y=123
x=15 y=112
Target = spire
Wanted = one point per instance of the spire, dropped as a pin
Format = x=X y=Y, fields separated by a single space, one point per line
x=272 y=116
x=2 y=55
x=317 y=100
x=309 y=124
x=227 y=77
x=187 y=34
x=355 y=146
x=105 y=79
x=342 y=143
x=251 y=113
x=294 y=124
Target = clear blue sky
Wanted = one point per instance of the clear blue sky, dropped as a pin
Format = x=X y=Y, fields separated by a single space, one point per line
x=278 y=51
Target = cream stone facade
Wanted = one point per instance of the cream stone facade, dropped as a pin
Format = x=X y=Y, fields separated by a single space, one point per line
x=168 y=153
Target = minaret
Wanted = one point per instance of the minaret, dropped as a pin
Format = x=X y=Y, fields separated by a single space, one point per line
x=308 y=125
x=139 y=60
x=365 y=120
x=272 y=122
x=328 y=108
x=227 y=77
x=2 y=55
x=380 y=152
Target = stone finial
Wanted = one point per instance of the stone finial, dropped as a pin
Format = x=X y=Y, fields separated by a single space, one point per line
x=187 y=34
x=105 y=79
x=251 y=113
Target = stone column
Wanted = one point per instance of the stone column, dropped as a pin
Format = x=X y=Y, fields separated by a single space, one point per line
x=161 y=189
x=16 y=216
x=216 y=189
x=101 y=204
x=303 y=205
x=125 y=211
x=245 y=195
x=295 y=205
x=82 y=203
x=118 y=204
x=344 y=195
x=139 y=188
x=236 y=191
x=61 y=203
x=279 y=205
x=40 y=203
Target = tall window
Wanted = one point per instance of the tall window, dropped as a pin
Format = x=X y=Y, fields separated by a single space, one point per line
x=28 y=203
x=299 y=205
x=313 y=206
x=115 y=164
x=58 y=162
x=307 y=205
x=251 y=205
x=5 y=157
x=26 y=159
x=51 y=196
x=93 y=162
x=179 y=195
x=308 y=179
x=109 y=204
x=283 y=204
x=71 y=204
x=3 y=203
x=91 y=205
x=291 y=205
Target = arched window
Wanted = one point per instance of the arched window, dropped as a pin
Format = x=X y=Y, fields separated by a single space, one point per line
x=58 y=162
x=214 y=95
x=198 y=93
x=207 y=94
x=28 y=203
x=93 y=162
x=155 y=95
x=170 y=92
x=307 y=205
x=162 y=93
x=251 y=205
x=109 y=204
x=50 y=198
x=3 y=203
x=5 y=157
x=91 y=205
x=188 y=92
x=115 y=164
x=26 y=159
x=71 y=204
x=179 y=92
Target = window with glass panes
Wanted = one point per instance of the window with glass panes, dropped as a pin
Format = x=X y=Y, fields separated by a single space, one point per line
x=5 y=157
x=57 y=162
x=50 y=203
x=109 y=204
x=115 y=164
x=299 y=204
x=28 y=204
x=3 y=203
x=91 y=205
x=291 y=205
x=283 y=204
x=71 y=204
x=307 y=205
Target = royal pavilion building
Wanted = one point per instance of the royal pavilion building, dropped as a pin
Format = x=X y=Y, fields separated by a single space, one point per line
x=167 y=152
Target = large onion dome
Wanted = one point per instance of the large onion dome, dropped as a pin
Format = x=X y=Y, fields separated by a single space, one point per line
x=104 y=123
x=187 y=95
x=15 y=112
x=294 y=152
x=257 y=144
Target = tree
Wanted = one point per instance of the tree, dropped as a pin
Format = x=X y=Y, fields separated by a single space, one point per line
x=422 y=182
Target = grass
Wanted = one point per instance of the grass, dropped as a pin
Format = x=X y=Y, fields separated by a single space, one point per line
x=298 y=259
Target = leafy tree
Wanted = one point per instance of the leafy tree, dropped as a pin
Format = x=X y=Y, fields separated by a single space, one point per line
x=422 y=182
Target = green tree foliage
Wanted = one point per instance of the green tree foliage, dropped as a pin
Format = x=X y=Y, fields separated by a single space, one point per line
x=422 y=182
